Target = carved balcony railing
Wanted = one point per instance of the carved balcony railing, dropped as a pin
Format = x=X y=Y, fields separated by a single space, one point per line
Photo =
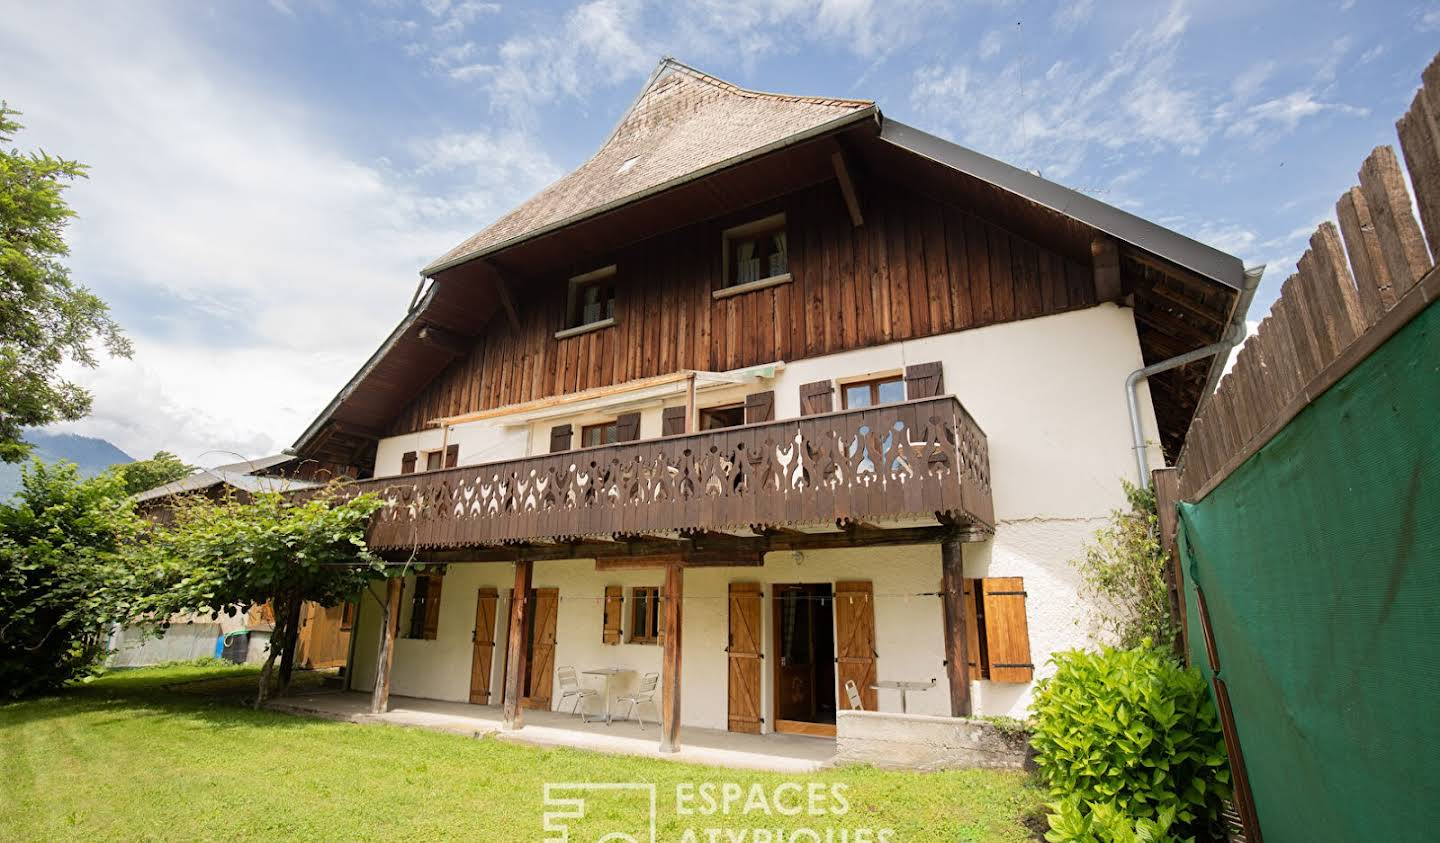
x=920 y=460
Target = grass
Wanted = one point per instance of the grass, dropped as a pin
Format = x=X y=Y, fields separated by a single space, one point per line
x=127 y=757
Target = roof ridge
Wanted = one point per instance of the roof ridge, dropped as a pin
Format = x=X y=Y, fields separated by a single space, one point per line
x=672 y=62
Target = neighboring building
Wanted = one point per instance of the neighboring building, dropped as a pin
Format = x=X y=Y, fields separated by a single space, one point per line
x=855 y=391
x=324 y=631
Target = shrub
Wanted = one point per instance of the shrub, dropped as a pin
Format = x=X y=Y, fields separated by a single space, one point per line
x=1076 y=821
x=1123 y=573
x=1129 y=733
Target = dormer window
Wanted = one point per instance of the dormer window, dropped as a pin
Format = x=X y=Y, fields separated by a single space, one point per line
x=757 y=253
x=592 y=299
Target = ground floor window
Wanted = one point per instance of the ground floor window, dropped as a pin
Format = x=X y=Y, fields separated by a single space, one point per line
x=645 y=615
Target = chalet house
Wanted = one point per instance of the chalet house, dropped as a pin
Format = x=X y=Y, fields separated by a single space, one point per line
x=770 y=396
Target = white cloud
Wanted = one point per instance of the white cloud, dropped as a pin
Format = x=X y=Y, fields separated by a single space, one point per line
x=1071 y=14
x=272 y=254
x=991 y=44
x=1133 y=98
x=1283 y=114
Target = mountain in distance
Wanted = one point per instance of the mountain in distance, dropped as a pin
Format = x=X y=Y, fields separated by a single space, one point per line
x=90 y=454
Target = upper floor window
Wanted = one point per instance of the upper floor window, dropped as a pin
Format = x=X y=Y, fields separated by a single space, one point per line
x=434 y=460
x=756 y=251
x=717 y=418
x=861 y=394
x=592 y=298
x=594 y=435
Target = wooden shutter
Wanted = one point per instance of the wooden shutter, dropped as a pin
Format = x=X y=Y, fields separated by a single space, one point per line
x=978 y=668
x=542 y=649
x=614 y=612
x=817 y=397
x=1007 y=637
x=452 y=456
x=743 y=651
x=924 y=380
x=672 y=421
x=855 y=640
x=760 y=407
x=560 y=438
x=432 y=605
x=627 y=428
x=407 y=462
x=482 y=652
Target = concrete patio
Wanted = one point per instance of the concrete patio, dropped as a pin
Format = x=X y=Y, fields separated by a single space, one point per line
x=778 y=753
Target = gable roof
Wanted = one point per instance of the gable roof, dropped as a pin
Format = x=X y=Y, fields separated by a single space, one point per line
x=683 y=124
x=245 y=476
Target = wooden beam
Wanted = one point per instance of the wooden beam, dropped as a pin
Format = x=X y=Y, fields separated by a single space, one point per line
x=1105 y=258
x=516 y=654
x=952 y=594
x=1166 y=483
x=502 y=292
x=389 y=625
x=847 y=187
x=674 y=599
x=447 y=341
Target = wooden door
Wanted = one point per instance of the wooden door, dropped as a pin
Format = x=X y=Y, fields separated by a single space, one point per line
x=541 y=666
x=482 y=654
x=855 y=641
x=743 y=650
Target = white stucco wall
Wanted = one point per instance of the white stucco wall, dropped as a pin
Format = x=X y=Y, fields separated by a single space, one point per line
x=1049 y=394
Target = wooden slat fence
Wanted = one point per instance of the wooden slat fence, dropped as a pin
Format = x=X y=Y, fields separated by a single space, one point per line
x=1353 y=288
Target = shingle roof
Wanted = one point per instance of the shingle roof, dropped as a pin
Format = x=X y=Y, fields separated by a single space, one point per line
x=683 y=122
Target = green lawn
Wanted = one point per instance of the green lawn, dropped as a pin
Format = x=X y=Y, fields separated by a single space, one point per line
x=127 y=758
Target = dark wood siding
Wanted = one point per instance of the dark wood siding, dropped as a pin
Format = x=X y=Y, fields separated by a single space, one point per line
x=917 y=267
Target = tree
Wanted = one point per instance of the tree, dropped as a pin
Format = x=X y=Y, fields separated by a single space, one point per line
x=1123 y=570
x=63 y=575
x=45 y=317
x=144 y=475
x=239 y=552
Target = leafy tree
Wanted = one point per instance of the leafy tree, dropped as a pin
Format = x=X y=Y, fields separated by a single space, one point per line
x=63 y=575
x=239 y=552
x=45 y=317
x=144 y=475
x=1123 y=572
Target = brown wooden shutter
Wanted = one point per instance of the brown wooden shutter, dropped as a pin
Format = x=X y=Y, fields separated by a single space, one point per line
x=482 y=653
x=627 y=428
x=432 y=605
x=560 y=438
x=743 y=651
x=407 y=462
x=452 y=456
x=978 y=668
x=855 y=640
x=760 y=407
x=1007 y=637
x=817 y=397
x=672 y=421
x=614 y=611
x=924 y=380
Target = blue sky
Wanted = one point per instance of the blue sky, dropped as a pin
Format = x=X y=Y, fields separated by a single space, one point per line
x=268 y=178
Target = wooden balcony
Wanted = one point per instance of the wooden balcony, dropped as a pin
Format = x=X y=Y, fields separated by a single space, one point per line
x=916 y=464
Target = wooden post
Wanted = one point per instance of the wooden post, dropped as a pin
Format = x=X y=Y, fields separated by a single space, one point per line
x=390 y=624
x=1166 y=483
x=952 y=595
x=670 y=671
x=516 y=653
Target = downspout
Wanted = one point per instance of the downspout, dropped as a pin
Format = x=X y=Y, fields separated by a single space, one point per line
x=1234 y=335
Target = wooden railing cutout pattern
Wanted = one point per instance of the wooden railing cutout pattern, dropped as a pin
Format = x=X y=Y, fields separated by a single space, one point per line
x=1332 y=312
x=923 y=458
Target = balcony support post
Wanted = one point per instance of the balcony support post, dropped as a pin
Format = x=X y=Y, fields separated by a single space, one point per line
x=389 y=625
x=674 y=597
x=952 y=595
x=516 y=653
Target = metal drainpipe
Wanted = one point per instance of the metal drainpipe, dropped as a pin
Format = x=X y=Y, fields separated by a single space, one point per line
x=1235 y=335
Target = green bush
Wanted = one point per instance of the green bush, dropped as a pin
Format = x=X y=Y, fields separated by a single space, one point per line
x=1127 y=735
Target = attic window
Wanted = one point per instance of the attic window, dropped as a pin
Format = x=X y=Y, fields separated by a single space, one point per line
x=757 y=253
x=628 y=165
x=592 y=299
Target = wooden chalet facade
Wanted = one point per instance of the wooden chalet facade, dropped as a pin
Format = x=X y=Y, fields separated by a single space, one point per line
x=769 y=396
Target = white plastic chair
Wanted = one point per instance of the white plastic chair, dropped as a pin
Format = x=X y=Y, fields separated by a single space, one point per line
x=643 y=695
x=852 y=693
x=570 y=687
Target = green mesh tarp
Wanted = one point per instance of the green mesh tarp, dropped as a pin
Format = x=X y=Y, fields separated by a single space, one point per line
x=1320 y=562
